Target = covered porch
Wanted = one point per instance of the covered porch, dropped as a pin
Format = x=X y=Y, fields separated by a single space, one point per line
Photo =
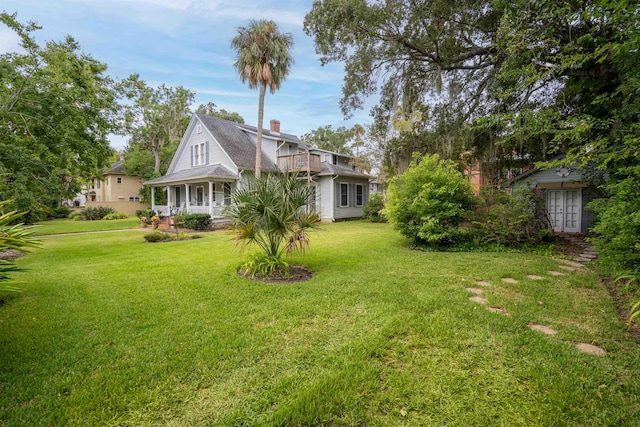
x=202 y=190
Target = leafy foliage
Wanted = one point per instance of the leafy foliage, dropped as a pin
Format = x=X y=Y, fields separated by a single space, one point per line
x=327 y=138
x=95 y=213
x=211 y=109
x=157 y=236
x=147 y=213
x=263 y=59
x=60 y=212
x=511 y=219
x=12 y=236
x=373 y=209
x=57 y=107
x=428 y=202
x=115 y=215
x=269 y=212
x=197 y=221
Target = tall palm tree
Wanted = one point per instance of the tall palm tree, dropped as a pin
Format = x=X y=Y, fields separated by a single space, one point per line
x=263 y=60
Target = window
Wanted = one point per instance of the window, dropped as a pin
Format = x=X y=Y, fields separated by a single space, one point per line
x=198 y=128
x=199 y=154
x=98 y=183
x=226 y=188
x=334 y=159
x=134 y=199
x=119 y=180
x=359 y=195
x=344 y=194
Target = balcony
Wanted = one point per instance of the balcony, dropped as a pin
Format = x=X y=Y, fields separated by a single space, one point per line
x=304 y=162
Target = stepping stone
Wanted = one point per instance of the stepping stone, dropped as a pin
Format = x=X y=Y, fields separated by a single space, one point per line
x=583 y=259
x=509 y=280
x=498 y=310
x=534 y=277
x=555 y=273
x=483 y=283
x=541 y=328
x=569 y=262
x=474 y=291
x=591 y=349
x=566 y=267
x=479 y=300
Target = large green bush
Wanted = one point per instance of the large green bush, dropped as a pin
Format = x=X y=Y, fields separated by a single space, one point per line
x=428 y=202
x=197 y=221
x=373 y=209
x=95 y=213
x=511 y=219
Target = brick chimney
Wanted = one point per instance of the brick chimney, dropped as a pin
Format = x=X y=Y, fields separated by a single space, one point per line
x=274 y=126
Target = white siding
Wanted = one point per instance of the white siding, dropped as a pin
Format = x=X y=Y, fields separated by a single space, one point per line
x=325 y=188
x=216 y=153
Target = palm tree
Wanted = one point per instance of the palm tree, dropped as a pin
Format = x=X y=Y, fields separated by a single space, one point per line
x=263 y=60
x=268 y=212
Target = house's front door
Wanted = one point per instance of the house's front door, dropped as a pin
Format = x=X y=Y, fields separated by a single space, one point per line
x=564 y=208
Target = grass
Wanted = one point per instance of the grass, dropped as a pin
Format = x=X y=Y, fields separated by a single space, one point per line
x=113 y=331
x=64 y=226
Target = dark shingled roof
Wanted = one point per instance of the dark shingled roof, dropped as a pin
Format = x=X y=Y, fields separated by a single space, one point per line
x=331 y=169
x=206 y=172
x=281 y=135
x=116 y=168
x=236 y=143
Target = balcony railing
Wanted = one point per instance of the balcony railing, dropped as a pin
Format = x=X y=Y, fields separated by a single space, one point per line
x=304 y=162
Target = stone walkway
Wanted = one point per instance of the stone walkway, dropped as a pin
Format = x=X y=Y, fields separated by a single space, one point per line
x=587 y=255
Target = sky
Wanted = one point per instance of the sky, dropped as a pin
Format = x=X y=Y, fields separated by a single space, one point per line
x=187 y=43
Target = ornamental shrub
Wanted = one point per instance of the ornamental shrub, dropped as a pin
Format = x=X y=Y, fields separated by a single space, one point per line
x=157 y=236
x=428 y=201
x=373 y=209
x=95 y=213
x=116 y=215
x=147 y=213
x=197 y=221
x=511 y=219
x=60 y=212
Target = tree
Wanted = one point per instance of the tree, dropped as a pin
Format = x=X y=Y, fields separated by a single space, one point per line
x=155 y=118
x=263 y=59
x=326 y=138
x=57 y=107
x=269 y=212
x=211 y=109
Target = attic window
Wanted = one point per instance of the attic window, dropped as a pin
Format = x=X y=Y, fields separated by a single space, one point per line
x=334 y=159
x=198 y=128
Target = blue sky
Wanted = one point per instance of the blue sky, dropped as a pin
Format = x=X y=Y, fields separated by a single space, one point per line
x=187 y=43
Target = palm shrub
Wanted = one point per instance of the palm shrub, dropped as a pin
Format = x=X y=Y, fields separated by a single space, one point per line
x=12 y=236
x=429 y=201
x=373 y=209
x=269 y=212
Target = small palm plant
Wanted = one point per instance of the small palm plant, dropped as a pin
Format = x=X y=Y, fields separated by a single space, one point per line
x=269 y=212
x=13 y=237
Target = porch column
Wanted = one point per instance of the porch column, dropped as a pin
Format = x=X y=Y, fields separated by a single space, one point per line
x=186 y=192
x=153 y=198
x=168 y=188
x=211 y=199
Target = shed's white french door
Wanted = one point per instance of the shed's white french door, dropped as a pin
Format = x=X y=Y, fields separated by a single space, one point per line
x=564 y=208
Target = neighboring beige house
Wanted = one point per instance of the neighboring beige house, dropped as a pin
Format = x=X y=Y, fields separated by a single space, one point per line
x=116 y=190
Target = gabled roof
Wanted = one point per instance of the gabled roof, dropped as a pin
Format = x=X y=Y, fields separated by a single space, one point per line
x=116 y=169
x=349 y=156
x=236 y=143
x=205 y=172
x=532 y=171
x=331 y=169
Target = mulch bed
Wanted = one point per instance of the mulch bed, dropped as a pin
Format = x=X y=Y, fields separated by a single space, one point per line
x=297 y=273
x=9 y=254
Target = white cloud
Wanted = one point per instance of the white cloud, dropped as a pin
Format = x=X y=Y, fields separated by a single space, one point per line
x=247 y=94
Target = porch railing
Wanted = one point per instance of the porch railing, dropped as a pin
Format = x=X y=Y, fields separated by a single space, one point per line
x=163 y=210
x=304 y=162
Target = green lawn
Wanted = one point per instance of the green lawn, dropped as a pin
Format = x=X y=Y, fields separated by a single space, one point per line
x=113 y=331
x=63 y=226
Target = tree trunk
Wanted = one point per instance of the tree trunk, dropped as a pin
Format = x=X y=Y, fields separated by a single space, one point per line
x=156 y=156
x=263 y=90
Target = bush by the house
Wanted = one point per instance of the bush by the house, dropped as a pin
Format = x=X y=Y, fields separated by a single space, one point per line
x=157 y=236
x=197 y=221
x=147 y=213
x=116 y=215
x=428 y=202
x=61 y=212
x=95 y=213
x=511 y=219
x=373 y=209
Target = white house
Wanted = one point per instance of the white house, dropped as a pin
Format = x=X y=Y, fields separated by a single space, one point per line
x=215 y=155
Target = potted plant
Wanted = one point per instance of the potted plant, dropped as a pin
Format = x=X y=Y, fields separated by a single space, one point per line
x=155 y=221
x=143 y=221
